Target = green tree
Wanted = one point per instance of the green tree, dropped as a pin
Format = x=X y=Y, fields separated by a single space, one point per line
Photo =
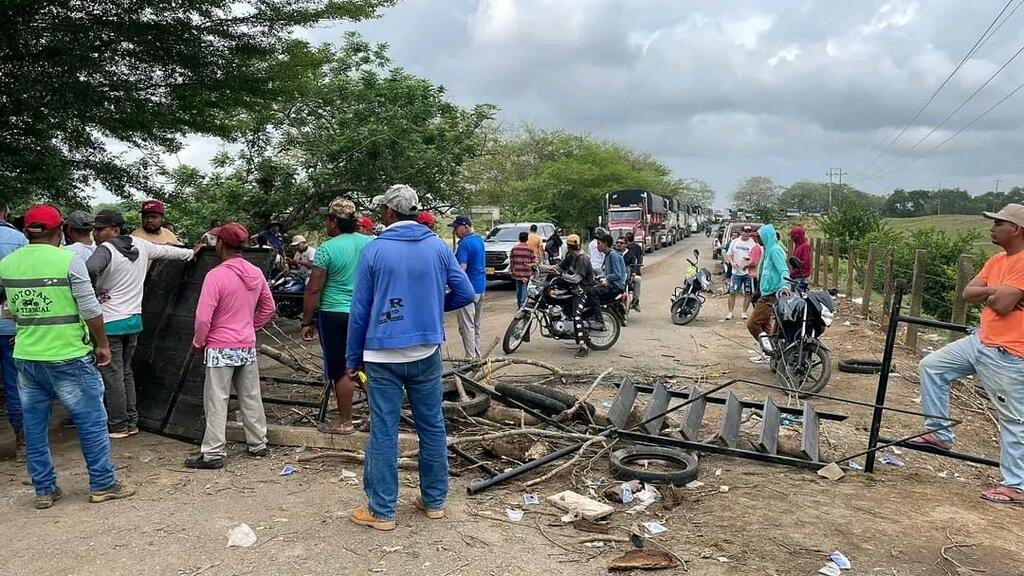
x=848 y=222
x=805 y=196
x=77 y=75
x=696 y=192
x=758 y=195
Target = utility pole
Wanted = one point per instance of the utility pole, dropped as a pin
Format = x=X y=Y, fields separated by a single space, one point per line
x=834 y=172
x=998 y=182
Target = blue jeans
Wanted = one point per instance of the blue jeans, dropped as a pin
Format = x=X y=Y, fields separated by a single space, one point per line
x=421 y=381
x=1001 y=374
x=521 y=295
x=78 y=386
x=9 y=373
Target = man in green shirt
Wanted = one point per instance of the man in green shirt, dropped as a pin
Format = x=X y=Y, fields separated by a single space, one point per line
x=328 y=300
x=48 y=292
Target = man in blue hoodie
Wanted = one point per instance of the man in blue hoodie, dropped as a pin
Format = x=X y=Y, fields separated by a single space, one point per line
x=395 y=329
x=772 y=272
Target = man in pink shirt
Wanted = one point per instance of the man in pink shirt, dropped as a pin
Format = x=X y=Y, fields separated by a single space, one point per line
x=234 y=304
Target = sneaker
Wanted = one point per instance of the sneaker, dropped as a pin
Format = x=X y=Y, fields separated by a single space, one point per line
x=363 y=517
x=765 y=342
x=582 y=352
x=759 y=359
x=133 y=430
x=115 y=492
x=260 y=453
x=432 y=513
x=744 y=316
x=118 y=434
x=200 y=462
x=44 y=501
x=727 y=317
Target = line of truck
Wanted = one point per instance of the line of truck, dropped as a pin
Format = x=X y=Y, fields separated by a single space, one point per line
x=655 y=221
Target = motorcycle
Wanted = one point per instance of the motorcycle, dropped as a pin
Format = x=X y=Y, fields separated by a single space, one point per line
x=289 y=289
x=550 y=303
x=688 y=298
x=797 y=356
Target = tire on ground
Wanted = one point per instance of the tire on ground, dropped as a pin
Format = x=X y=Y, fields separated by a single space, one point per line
x=564 y=397
x=622 y=467
x=860 y=366
x=539 y=402
x=451 y=406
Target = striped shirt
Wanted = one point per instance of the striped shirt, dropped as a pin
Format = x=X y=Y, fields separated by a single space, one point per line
x=522 y=258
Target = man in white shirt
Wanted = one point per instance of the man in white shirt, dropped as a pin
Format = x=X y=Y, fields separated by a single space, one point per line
x=740 y=283
x=596 y=256
x=78 y=234
x=304 y=253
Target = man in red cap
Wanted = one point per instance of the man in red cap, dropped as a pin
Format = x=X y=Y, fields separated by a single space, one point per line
x=235 y=302
x=427 y=219
x=60 y=341
x=364 y=226
x=153 y=228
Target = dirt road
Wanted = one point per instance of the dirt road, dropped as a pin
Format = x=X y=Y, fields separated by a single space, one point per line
x=771 y=520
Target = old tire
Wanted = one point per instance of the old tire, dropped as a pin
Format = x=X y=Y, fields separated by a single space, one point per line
x=451 y=406
x=684 y=310
x=860 y=366
x=568 y=400
x=622 y=464
x=539 y=402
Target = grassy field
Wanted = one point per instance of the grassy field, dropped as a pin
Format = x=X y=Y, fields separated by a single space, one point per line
x=952 y=223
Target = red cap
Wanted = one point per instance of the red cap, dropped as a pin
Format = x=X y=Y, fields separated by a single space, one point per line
x=364 y=222
x=232 y=234
x=153 y=206
x=427 y=219
x=42 y=217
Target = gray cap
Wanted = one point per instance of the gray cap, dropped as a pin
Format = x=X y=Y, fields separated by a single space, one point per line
x=80 y=220
x=1012 y=213
x=400 y=198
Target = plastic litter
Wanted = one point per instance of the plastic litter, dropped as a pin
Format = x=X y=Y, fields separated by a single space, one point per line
x=723 y=559
x=840 y=560
x=787 y=419
x=514 y=515
x=644 y=498
x=654 y=528
x=694 y=485
x=852 y=464
x=531 y=499
x=571 y=516
x=241 y=536
x=830 y=569
x=892 y=461
x=288 y=470
x=346 y=474
x=723 y=489
x=594 y=544
x=627 y=493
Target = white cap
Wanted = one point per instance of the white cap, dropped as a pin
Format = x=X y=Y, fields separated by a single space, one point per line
x=296 y=240
x=400 y=198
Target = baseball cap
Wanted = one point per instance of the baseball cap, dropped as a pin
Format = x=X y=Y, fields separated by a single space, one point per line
x=1012 y=213
x=426 y=218
x=41 y=218
x=364 y=222
x=573 y=239
x=107 y=218
x=340 y=208
x=400 y=198
x=298 y=239
x=80 y=220
x=153 y=206
x=461 y=221
x=232 y=234
x=748 y=229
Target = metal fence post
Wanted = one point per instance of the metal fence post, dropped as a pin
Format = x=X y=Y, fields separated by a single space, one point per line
x=916 y=292
x=869 y=280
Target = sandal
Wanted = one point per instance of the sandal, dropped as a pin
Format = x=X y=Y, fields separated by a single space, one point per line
x=930 y=440
x=1004 y=495
x=340 y=429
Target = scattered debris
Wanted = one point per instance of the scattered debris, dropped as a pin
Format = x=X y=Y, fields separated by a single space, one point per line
x=832 y=471
x=892 y=461
x=514 y=515
x=840 y=560
x=830 y=569
x=584 y=525
x=853 y=464
x=654 y=528
x=588 y=508
x=288 y=470
x=644 y=498
x=723 y=559
x=644 y=559
x=241 y=536
x=723 y=489
x=623 y=493
x=531 y=499
x=694 y=485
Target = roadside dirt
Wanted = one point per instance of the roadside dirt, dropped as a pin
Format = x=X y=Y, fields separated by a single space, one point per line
x=772 y=520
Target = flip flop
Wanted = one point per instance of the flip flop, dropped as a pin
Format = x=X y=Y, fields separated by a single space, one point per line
x=930 y=440
x=1004 y=495
x=343 y=429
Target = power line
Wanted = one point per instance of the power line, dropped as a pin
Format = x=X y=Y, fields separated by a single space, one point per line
x=989 y=32
x=935 y=129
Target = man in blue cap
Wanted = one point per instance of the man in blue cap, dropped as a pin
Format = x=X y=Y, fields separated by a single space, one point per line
x=470 y=255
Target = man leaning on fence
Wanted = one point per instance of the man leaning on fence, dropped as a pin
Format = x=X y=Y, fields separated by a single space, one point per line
x=995 y=352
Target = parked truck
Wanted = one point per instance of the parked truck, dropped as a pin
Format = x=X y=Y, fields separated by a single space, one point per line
x=638 y=211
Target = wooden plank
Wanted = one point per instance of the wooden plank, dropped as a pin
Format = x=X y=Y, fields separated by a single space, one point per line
x=849 y=272
x=835 y=265
x=869 y=280
x=964 y=271
x=817 y=261
x=916 y=295
x=311 y=437
x=824 y=264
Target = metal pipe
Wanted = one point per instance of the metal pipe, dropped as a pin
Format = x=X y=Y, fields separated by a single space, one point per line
x=477 y=487
x=928 y=322
x=883 y=376
x=940 y=452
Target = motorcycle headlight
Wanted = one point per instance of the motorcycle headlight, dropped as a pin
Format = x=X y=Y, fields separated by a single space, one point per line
x=533 y=289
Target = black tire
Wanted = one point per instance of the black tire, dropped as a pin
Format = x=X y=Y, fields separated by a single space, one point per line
x=685 y=310
x=860 y=366
x=517 y=329
x=566 y=399
x=611 y=323
x=804 y=380
x=539 y=402
x=451 y=406
x=620 y=463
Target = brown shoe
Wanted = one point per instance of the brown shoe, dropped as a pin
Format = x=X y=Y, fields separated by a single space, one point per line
x=362 y=517
x=432 y=513
x=44 y=501
x=115 y=492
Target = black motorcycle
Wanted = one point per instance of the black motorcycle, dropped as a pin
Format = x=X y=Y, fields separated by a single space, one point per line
x=798 y=357
x=688 y=298
x=550 y=303
x=288 y=289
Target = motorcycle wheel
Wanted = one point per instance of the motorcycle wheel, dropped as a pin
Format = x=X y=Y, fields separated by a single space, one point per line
x=517 y=329
x=605 y=339
x=808 y=377
x=685 y=310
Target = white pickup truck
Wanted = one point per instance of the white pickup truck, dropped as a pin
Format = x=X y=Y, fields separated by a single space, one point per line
x=499 y=242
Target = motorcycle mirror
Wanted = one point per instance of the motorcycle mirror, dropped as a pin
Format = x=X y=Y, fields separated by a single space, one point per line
x=696 y=253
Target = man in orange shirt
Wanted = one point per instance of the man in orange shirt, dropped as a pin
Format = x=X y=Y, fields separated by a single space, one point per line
x=995 y=352
x=536 y=243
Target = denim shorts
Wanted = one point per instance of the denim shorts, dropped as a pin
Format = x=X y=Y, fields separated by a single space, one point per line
x=741 y=284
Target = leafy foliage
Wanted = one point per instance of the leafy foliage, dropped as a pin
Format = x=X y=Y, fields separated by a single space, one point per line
x=78 y=76
x=848 y=222
x=758 y=195
x=914 y=203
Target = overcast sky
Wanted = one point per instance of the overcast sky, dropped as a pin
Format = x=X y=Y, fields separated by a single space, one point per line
x=727 y=89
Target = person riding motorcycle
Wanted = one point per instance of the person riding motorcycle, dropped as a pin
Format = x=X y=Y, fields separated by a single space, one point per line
x=575 y=269
x=612 y=284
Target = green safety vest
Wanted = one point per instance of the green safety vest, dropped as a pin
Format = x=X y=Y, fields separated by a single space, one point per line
x=50 y=329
